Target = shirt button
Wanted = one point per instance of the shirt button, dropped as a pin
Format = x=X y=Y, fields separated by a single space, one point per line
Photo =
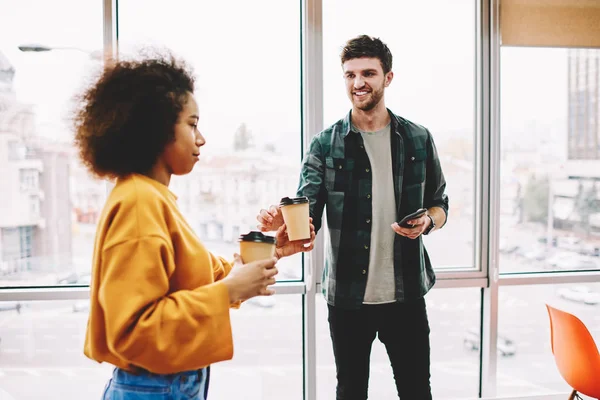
x=362 y=147
x=367 y=170
x=366 y=247
x=412 y=159
x=339 y=167
x=364 y=271
x=368 y=196
x=368 y=221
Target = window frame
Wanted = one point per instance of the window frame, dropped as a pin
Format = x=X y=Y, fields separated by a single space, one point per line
x=485 y=274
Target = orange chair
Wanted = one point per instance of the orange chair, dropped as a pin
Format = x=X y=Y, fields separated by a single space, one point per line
x=575 y=353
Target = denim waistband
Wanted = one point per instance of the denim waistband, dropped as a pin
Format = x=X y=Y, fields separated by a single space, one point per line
x=123 y=376
x=179 y=386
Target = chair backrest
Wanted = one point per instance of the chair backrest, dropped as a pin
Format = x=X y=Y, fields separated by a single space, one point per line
x=575 y=352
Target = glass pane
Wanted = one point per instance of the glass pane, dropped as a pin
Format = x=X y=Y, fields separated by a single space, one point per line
x=454 y=319
x=550 y=171
x=267 y=361
x=248 y=92
x=433 y=45
x=49 y=203
x=41 y=352
x=523 y=321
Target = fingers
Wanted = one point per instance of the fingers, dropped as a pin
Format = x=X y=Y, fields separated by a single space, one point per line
x=266 y=292
x=237 y=259
x=282 y=230
x=271 y=281
x=264 y=220
x=262 y=228
x=266 y=216
x=270 y=273
x=411 y=233
x=262 y=216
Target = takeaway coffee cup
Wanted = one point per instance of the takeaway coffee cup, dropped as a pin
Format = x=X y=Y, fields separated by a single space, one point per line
x=256 y=246
x=296 y=217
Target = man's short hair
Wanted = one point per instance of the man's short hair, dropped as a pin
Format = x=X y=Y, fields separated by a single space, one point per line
x=367 y=46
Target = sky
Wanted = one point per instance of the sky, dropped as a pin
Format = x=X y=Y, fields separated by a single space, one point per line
x=246 y=56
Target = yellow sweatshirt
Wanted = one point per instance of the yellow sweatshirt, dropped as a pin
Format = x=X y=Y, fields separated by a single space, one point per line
x=156 y=302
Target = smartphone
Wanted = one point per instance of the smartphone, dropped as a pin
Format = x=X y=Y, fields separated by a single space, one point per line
x=404 y=222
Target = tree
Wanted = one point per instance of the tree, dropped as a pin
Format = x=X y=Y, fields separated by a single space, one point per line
x=535 y=199
x=586 y=204
x=242 y=139
x=270 y=148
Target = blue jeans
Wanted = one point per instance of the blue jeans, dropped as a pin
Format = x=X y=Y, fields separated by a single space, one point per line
x=189 y=385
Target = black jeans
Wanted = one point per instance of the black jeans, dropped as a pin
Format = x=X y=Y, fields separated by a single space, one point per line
x=404 y=330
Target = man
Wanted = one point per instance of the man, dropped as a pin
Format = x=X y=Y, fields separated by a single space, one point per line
x=371 y=169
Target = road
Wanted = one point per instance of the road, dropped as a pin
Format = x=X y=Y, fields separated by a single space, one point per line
x=41 y=349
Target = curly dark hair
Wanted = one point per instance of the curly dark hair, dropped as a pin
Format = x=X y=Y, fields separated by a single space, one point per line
x=367 y=46
x=126 y=117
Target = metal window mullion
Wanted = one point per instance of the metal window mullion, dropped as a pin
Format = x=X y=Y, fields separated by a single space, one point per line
x=490 y=114
x=83 y=292
x=312 y=122
x=549 y=278
x=460 y=283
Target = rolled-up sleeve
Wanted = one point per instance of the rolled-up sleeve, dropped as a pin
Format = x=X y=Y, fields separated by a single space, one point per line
x=435 y=184
x=312 y=182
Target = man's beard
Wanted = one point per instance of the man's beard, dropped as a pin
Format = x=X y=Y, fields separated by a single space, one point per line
x=376 y=96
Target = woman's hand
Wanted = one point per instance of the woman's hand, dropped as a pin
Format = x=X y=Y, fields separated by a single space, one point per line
x=245 y=281
x=286 y=248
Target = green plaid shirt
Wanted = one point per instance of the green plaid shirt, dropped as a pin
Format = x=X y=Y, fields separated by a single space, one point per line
x=336 y=173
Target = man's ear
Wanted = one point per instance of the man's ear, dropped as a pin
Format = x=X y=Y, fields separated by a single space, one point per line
x=388 y=78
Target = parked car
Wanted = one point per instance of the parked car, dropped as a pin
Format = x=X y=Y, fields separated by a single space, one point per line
x=81 y=306
x=10 y=305
x=568 y=260
x=580 y=294
x=535 y=254
x=262 y=301
x=75 y=278
x=506 y=347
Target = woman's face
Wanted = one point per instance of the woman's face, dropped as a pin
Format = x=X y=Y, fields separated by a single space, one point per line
x=183 y=152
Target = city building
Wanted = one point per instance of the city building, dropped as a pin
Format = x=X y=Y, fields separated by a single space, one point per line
x=578 y=196
x=35 y=215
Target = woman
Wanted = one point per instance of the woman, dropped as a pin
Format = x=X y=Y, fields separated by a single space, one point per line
x=159 y=299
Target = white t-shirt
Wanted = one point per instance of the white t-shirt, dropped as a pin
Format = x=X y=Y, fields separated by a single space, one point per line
x=381 y=286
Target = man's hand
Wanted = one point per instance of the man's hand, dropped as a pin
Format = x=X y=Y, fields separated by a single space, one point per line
x=269 y=220
x=287 y=248
x=419 y=225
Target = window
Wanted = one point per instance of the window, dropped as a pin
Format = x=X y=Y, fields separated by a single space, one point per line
x=35 y=103
x=248 y=91
x=42 y=352
x=28 y=179
x=454 y=323
x=267 y=364
x=524 y=323
x=549 y=195
x=434 y=85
